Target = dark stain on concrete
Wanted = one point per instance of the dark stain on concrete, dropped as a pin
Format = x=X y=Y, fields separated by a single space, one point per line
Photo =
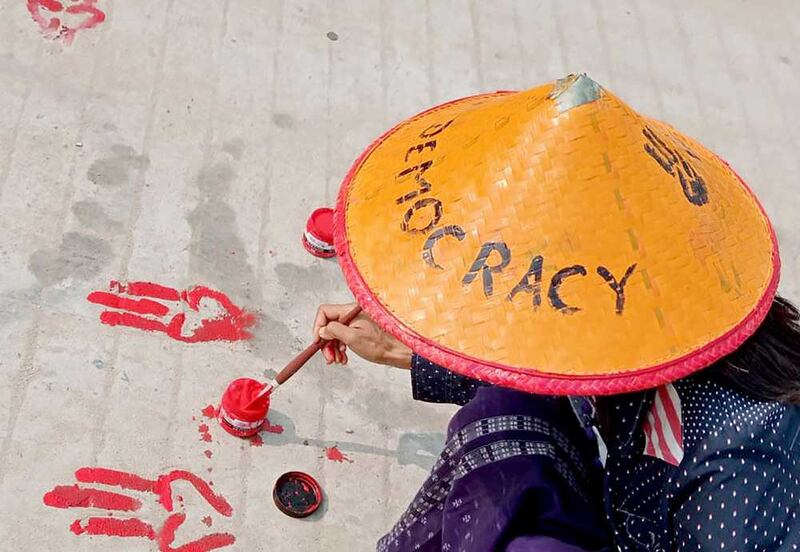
x=91 y=215
x=298 y=280
x=234 y=148
x=115 y=169
x=217 y=258
x=283 y=120
x=79 y=256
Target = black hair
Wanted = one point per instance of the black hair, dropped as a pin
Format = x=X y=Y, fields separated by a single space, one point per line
x=767 y=365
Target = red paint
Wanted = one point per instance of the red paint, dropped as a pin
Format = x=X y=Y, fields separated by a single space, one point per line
x=256 y=440
x=147 y=289
x=203 y=544
x=72 y=496
x=228 y=323
x=164 y=490
x=140 y=306
x=210 y=411
x=114 y=527
x=117 y=478
x=269 y=428
x=333 y=453
x=318 y=237
x=208 y=453
x=240 y=414
x=205 y=435
x=75 y=496
x=75 y=17
x=76 y=528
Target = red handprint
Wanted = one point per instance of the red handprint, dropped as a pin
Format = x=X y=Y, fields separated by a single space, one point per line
x=82 y=14
x=211 y=315
x=75 y=496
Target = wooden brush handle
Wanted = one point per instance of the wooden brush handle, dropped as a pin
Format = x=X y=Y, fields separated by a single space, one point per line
x=297 y=362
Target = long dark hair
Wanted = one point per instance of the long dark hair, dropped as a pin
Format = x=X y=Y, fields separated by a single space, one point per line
x=767 y=365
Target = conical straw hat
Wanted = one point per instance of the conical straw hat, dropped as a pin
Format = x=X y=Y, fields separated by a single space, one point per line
x=555 y=241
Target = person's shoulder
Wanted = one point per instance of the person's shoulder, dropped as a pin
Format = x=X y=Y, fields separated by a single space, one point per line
x=711 y=410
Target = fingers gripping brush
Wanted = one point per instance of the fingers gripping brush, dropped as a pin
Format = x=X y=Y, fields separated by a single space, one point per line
x=244 y=405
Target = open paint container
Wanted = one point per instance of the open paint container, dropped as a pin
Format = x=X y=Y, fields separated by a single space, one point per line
x=238 y=414
x=318 y=236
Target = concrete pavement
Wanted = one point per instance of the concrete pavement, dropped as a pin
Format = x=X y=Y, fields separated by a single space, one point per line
x=185 y=143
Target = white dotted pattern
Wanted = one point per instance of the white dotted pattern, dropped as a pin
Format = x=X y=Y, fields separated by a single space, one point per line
x=737 y=487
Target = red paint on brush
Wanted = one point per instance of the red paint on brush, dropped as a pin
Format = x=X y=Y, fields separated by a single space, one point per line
x=205 y=434
x=208 y=453
x=229 y=322
x=77 y=497
x=333 y=453
x=72 y=496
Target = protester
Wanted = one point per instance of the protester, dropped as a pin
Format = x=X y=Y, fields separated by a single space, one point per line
x=602 y=291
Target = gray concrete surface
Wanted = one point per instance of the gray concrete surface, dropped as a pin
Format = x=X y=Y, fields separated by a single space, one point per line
x=185 y=143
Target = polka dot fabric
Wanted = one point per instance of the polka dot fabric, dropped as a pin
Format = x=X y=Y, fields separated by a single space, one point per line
x=737 y=487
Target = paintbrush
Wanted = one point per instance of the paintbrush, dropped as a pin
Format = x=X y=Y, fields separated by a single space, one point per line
x=299 y=361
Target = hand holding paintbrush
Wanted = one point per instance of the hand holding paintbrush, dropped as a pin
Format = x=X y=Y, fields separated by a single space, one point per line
x=299 y=361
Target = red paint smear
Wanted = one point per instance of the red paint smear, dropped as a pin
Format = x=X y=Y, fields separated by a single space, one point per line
x=114 y=477
x=207 y=520
x=149 y=289
x=333 y=453
x=256 y=440
x=269 y=428
x=208 y=453
x=76 y=527
x=126 y=319
x=163 y=488
x=114 y=527
x=140 y=306
x=231 y=325
x=53 y=27
x=209 y=542
x=210 y=411
x=72 y=496
x=205 y=435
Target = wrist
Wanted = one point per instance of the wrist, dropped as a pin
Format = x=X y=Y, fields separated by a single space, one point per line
x=399 y=356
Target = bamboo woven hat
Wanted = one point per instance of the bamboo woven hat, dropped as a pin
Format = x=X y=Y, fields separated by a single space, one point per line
x=555 y=241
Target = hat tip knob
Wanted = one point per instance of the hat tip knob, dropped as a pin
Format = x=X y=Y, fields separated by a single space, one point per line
x=574 y=90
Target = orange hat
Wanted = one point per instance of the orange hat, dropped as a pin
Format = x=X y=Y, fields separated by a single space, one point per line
x=555 y=241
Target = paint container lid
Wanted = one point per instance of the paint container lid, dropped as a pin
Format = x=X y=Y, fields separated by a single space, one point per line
x=318 y=237
x=297 y=494
x=236 y=415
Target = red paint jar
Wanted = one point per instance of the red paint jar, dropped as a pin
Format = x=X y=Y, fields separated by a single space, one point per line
x=318 y=237
x=236 y=415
